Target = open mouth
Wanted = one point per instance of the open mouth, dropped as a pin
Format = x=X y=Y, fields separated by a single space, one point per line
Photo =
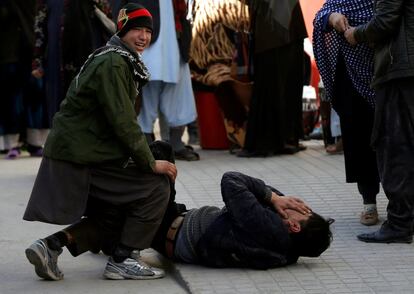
x=139 y=46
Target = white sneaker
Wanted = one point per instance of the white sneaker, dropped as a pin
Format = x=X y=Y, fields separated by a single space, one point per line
x=131 y=269
x=137 y=256
x=44 y=260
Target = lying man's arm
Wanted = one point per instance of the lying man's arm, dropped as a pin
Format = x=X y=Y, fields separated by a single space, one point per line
x=247 y=202
x=234 y=184
x=245 y=198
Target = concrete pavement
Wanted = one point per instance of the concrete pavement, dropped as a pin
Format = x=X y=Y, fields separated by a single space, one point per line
x=348 y=266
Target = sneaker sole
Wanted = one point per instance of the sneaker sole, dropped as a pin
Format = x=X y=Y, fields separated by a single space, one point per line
x=40 y=268
x=116 y=276
x=369 y=223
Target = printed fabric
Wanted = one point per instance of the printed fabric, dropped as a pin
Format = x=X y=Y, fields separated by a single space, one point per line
x=329 y=46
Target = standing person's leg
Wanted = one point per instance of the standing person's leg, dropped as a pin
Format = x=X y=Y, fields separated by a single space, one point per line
x=334 y=136
x=265 y=123
x=12 y=107
x=369 y=192
x=178 y=108
x=193 y=136
x=293 y=95
x=394 y=142
x=366 y=169
x=360 y=162
x=143 y=197
x=151 y=93
x=59 y=196
x=36 y=114
x=164 y=128
x=80 y=237
x=356 y=120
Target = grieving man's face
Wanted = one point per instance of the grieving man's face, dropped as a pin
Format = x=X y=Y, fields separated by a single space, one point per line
x=294 y=219
x=138 y=38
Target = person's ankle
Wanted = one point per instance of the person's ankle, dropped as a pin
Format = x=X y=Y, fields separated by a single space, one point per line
x=370 y=207
x=121 y=253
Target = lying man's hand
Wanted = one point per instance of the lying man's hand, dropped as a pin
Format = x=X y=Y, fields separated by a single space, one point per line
x=280 y=203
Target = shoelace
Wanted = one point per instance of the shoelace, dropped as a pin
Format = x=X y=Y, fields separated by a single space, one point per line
x=137 y=264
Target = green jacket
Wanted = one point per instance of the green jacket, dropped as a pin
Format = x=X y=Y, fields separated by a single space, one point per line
x=97 y=122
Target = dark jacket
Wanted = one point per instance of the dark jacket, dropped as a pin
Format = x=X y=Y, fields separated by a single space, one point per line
x=391 y=31
x=249 y=233
x=96 y=126
x=268 y=37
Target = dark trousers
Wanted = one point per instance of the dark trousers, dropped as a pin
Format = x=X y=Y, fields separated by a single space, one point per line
x=357 y=118
x=143 y=197
x=275 y=116
x=393 y=137
x=133 y=222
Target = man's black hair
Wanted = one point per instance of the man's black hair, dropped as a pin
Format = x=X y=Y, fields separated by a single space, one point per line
x=314 y=237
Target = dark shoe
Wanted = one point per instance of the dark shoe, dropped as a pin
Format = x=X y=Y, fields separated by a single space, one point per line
x=37 y=153
x=248 y=154
x=302 y=147
x=386 y=235
x=186 y=154
x=289 y=149
x=189 y=147
x=234 y=148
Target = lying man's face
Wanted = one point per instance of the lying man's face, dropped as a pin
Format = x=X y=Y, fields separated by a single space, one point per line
x=294 y=220
x=309 y=233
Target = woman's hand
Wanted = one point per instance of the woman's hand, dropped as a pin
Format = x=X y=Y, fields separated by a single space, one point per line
x=281 y=203
x=166 y=168
x=349 y=36
x=339 y=22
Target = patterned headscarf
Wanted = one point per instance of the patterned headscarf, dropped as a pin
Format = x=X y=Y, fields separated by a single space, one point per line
x=329 y=45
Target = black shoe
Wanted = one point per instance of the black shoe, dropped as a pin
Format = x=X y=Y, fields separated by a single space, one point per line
x=386 y=235
x=289 y=149
x=246 y=153
x=187 y=154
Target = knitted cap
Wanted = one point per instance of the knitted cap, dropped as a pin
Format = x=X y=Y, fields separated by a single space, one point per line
x=133 y=15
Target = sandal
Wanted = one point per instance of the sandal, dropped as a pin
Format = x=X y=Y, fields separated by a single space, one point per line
x=13 y=153
x=335 y=148
x=369 y=218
